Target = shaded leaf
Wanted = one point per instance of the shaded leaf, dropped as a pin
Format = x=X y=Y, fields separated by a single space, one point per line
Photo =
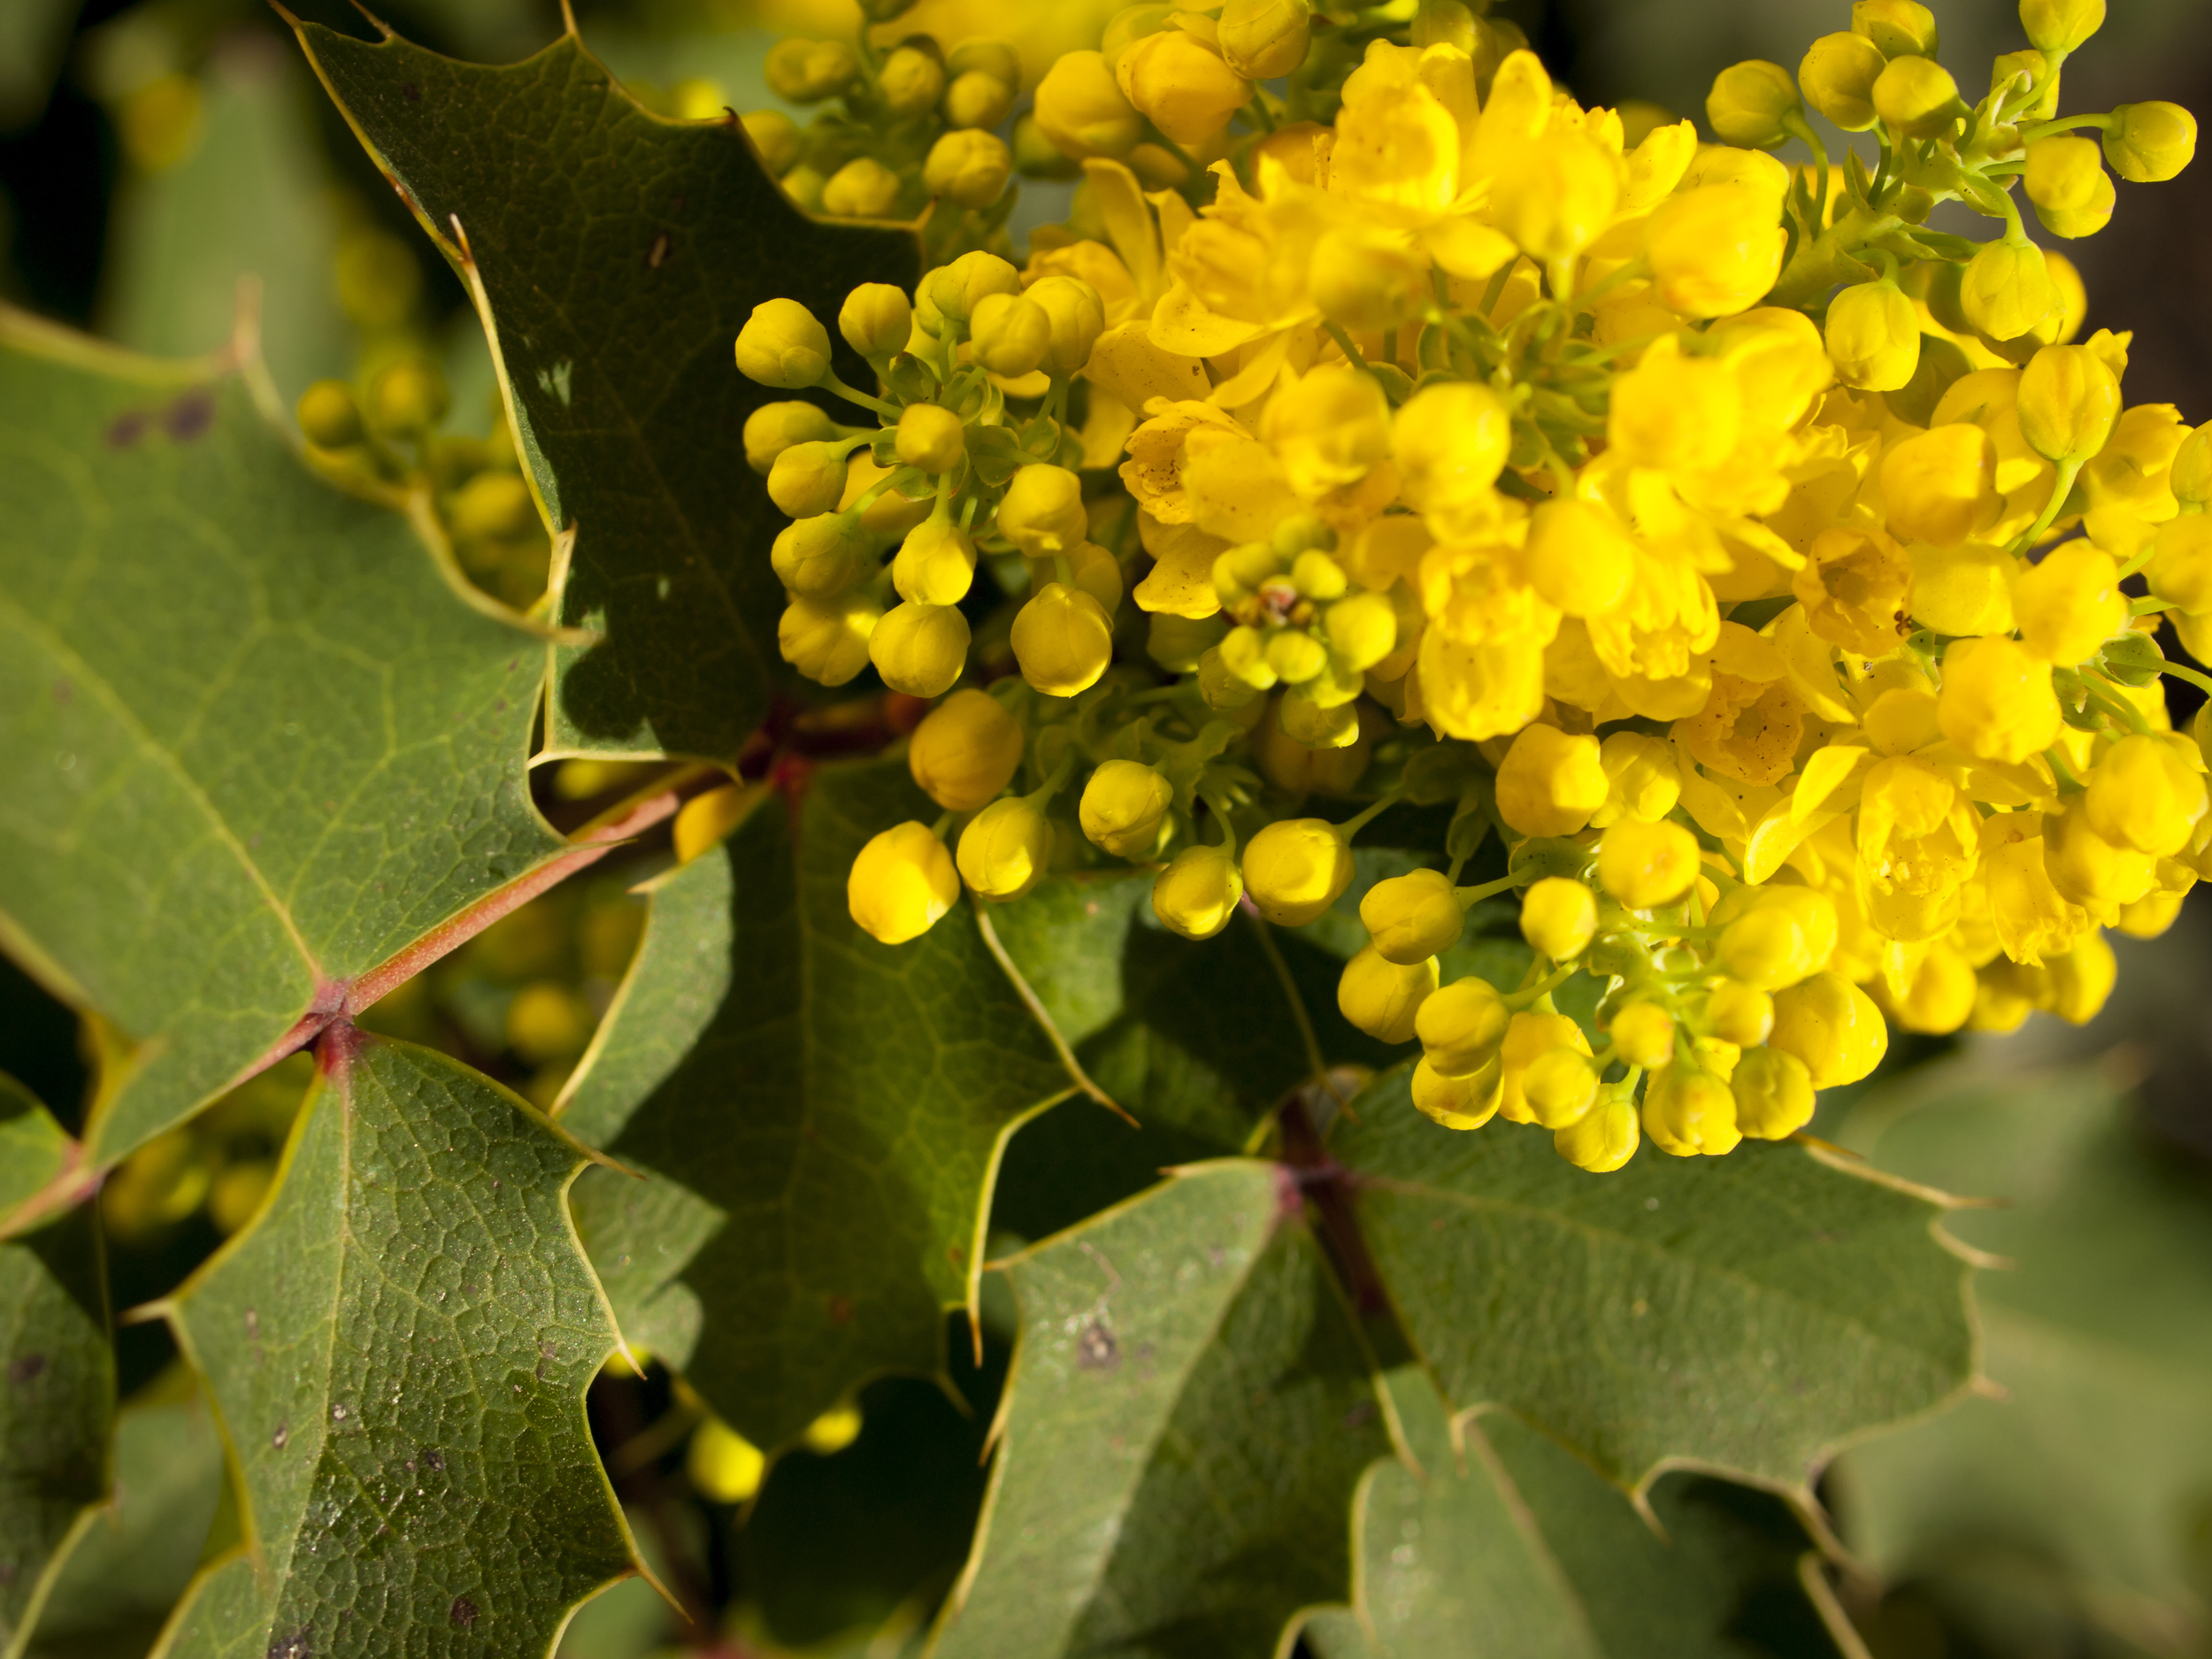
x=125 y=1570
x=255 y=747
x=397 y=1347
x=822 y=1117
x=1748 y=1312
x=619 y=255
x=2092 y=1479
x=1188 y=1412
x=1509 y=1545
x=36 y=1158
x=56 y=1400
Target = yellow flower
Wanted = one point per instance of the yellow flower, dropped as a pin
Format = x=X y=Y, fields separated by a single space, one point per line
x=1832 y=1026
x=1549 y=783
x=2148 y=792
x=1413 y=917
x=1644 y=866
x=1062 y=639
x=1873 y=336
x=1382 y=997
x=2069 y=604
x=1082 y=111
x=1197 y=894
x=1297 y=868
x=1940 y=485
x=1856 y=588
x=1714 y=250
x=966 y=751
x=1181 y=83
x=1461 y=1028
x=1557 y=195
x=1919 y=842
x=1328 y=429
x=1559 y=916
x=1996 y=702
x=1688 y=1112
x=901 y=883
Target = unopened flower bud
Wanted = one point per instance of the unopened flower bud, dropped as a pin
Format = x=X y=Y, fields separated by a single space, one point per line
x=1601 y=1140
x=919 y=649
x=783 y=345
x=823 y=556
x=826 y=640
x=2068 y=400
x=2149 y=143
x=2146 y=793
x=806 y=71
x=777 y=137
x=808 y=479
x=931 y=437
x=901 y=884
x=1940 y=485
x=1832 y=1026
x=957 y=288
x=1461 y=1025
x=1750 y=103
x=1457 y=1102
x=1382 y=997
x=1077 y=317
x=990 y=56
x=2190 y=477
x=774 y=428
x=1363 y=630
x=2069 y=604
x=1900 y=27
x=1297 y=868
x=1838 y=77
x=1643 y=1035
x=407 y=399
x=2061 y=25
x=2007 y=290
x=1716 y=249
x=493 y=503
x=328 y=415
x=1919 y=97
x=863 y=187
x=1549 y=783
x=1873 y=335
x=970 y=165
x=876 y=319
x=1295 y=656
x=1689 y=1112
x=1559 y=916
x=1264 y=40
x=1063 y=641
x=911 y=81
x=1081 y=110
x=1012 y=334
x=1123 y=807
x=1786 y=933
x=1042 y=512
x=1559 y=1088
x=1646 y=865
x=1006 y=849
x=1579 y=557
x=935 y=565
x=965 y=750
x=1413 y=917
x=977 y=99
x=1036 y=155
x=1738 y=1013
x=1197 y=894
x=1181 y=84
x=1774 y=1093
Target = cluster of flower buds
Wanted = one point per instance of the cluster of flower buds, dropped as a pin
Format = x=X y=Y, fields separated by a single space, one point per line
x=1779 y=579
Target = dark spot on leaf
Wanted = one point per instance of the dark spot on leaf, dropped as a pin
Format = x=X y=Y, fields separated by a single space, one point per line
x=464 y=1613
x=127 y=428
x=292 y=1646
x=1359 y=1413
x=676 y=205
x=430 y=1459
x=189 y=417
x=841 y=1310
x=283 y=1433
x=657 y=253
x=410 y=91
x=1095 y=1349
x=27 y=1369
x=64 y=691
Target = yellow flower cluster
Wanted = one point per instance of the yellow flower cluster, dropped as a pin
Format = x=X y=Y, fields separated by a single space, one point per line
x=1755 y=560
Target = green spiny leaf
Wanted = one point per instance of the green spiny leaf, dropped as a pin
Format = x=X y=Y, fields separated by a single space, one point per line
x=57 y=1399
x=619 y=255
x=397 y=1347
x=822 y=1117
x=1187 y=1414
x=2091 y=1480
x=114 y=1588
x=1748 y=1312
x=1505 y=1543
x=256 y=747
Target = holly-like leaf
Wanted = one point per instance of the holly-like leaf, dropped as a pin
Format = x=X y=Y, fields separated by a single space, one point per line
x=1748 y=1313
x=397 y=1347
x=1196 y=1041
x=2089 y=1482
x=1506 y=1543
x=114 y=1588
x=616 y=255
x=57 y=1398
x=821 y=1116
x=1188 y=1413
x=257 y=750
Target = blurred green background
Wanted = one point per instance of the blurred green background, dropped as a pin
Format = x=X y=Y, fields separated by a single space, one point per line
x=153 y=152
